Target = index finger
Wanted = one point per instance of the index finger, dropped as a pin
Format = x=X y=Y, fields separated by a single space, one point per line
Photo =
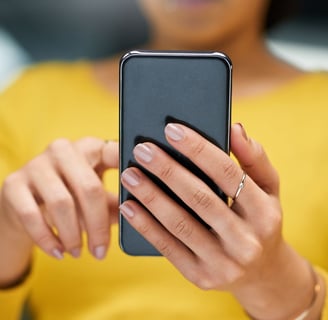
x=99 y=154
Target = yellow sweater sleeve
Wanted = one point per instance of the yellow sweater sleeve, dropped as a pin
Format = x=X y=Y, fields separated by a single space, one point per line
x=12 y=300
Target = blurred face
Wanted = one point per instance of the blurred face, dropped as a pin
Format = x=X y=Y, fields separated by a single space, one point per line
x=199 y=24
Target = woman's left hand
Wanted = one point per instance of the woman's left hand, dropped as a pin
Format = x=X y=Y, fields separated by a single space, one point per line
x=244 y=251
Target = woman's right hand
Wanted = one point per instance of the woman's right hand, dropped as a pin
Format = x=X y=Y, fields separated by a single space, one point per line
x=59 y=193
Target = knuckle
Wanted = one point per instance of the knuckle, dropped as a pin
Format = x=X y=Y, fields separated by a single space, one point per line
x=97 y=235
x=205 y=284
x=209 y=279
x=202 y=280
x=276 y=225
x=230 y=170
x=163 y=247
x=251 y=253
x=90 y=147
x=44 y=239
x=257 y=153
x=27 y=216
x=183 y=229
x=166 y=172
x=100 y=230
x=200 y=276
x=72 y=239
x=86 y=141
x=13 y=178
x=231 y=276
x=260 y=152
x=202 y=199
x=149 y=198
x=272 y=225
x=92 y=189
x=144 y=228
x=61 y=203
x=197 y=148
x=34 y=164
x=59 y=145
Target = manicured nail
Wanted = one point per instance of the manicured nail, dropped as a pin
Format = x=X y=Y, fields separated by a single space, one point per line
x=126 y=210
x=143 y=152
x=100 y=252
x=57 y=254
x=76 y=252
x=130 y=177
x=243 y=132
x=174 y=132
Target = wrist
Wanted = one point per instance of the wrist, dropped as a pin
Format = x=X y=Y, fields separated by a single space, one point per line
x=15 y=252
x=313 y=311
x=16 y=279
x=282 y=291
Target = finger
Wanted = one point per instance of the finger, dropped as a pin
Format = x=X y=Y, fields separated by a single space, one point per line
x=89 y=192
x=155 y=233
x=58 y=203
x=236 y=239
x=106 y=159
x=100 y=155
x=212 y=272
x=23 y=204
x=254 y=161
x=110 y=154
x=175 y=219
x=113 y=210
x=252 y=202
x=209 y=158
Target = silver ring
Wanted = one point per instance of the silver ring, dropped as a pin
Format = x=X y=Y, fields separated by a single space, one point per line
x=240 y=187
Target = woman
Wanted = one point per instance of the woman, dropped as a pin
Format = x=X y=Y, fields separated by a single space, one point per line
x=253 y=268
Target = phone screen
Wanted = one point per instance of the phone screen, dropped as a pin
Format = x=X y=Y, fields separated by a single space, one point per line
x=156 y=88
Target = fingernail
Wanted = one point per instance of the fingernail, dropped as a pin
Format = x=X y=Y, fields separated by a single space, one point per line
x=126 y=210
x=243 y=132
x=100 y=252
x=130 y=177
x=174 y=132
x=76 y=252
x=57 y=254
x=143 y=152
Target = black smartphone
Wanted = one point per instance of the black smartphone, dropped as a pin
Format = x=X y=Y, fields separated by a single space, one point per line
x=156 y=88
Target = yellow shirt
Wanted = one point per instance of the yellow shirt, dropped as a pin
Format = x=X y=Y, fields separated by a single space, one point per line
x=63 y=100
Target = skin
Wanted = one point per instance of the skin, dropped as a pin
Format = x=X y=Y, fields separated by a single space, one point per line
x=244 y=252
x=36 y=199
x=227 y=29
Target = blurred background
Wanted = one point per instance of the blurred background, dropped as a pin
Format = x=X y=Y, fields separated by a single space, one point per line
x=38 y=30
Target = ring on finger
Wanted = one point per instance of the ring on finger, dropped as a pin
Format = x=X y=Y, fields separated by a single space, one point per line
x=240 y=186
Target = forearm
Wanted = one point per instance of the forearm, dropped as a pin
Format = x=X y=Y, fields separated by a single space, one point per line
x=15 y=253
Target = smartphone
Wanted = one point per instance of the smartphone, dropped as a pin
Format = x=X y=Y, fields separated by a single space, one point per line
x=156 y=88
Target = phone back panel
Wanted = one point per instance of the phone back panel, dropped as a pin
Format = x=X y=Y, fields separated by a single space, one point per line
x=161 y=87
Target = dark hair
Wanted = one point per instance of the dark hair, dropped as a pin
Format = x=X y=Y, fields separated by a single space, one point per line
x=279 y=10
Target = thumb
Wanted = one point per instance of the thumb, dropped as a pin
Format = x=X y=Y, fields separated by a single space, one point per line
x=253 y=160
